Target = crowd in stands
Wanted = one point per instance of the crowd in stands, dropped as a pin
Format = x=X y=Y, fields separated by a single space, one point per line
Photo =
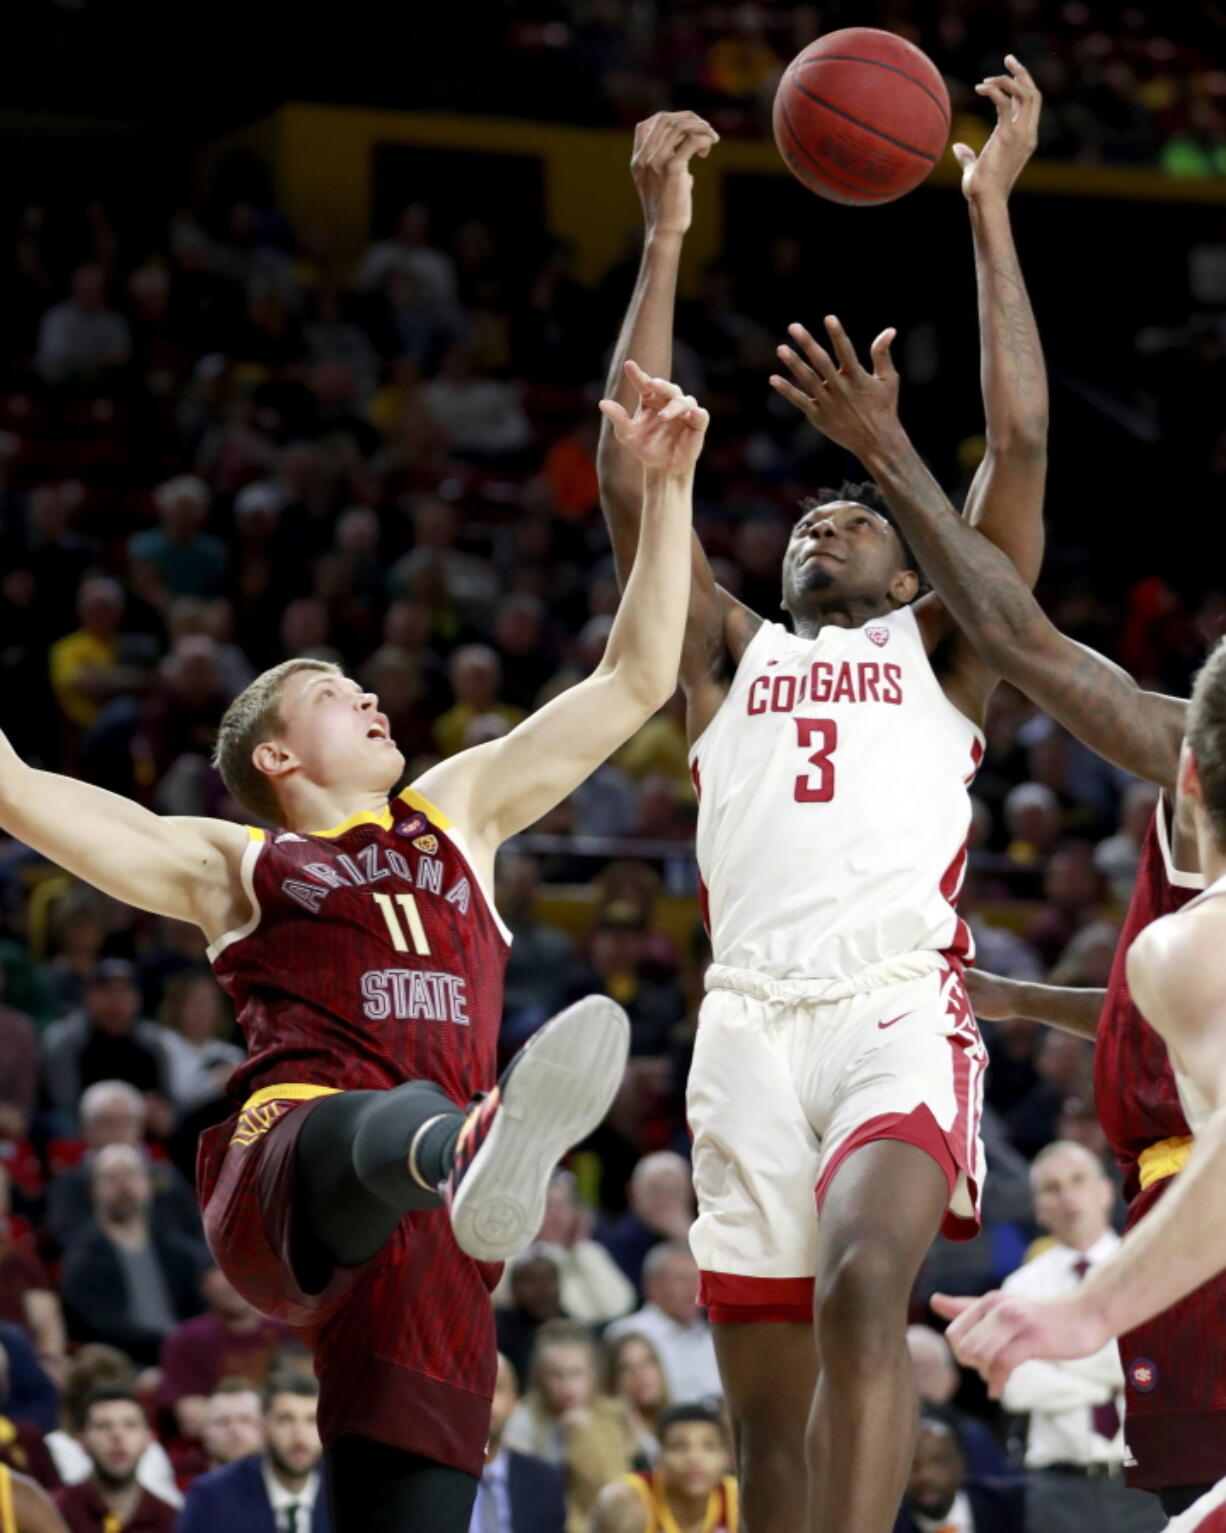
x=1132 y=85
x=220 y=447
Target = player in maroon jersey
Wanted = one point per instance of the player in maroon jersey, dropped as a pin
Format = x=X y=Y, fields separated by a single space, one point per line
x=1175 y=970
x=1176 y=1397
x=357 y=1193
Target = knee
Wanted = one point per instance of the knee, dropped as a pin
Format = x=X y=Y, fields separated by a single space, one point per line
x=861 y=1303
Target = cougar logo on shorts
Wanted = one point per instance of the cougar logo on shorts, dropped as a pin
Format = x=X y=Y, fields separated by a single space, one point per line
x=413 y=826
x=427 y=844
x=1143 y=1374
x=878 y=636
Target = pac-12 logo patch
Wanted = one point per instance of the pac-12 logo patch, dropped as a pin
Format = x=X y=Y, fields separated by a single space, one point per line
x=876 y=635
x=413 y=826
x=1143 y=1375
x=427 y=844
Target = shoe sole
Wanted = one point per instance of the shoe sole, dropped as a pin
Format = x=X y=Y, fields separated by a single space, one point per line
x=558 y=1092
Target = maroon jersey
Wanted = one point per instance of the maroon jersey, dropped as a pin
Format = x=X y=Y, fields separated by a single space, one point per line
x=1135 y=1093
x=372 y=956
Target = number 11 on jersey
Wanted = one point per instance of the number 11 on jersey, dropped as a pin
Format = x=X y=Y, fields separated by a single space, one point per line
x=412 y=920
x=807 y=732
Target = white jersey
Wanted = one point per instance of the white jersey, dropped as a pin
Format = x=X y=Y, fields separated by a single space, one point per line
x=833 y=811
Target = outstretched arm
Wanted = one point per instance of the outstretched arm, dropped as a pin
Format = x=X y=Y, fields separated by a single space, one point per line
x=1175 y=973
x=664 y=147
x=1090 y=696
x=497 y=790
x=997 y=999
x=174 y=866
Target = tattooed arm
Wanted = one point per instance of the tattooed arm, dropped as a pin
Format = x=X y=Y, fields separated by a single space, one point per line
x=992 y=605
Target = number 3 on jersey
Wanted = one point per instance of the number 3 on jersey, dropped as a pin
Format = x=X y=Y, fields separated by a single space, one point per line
x=808 y=732
x=412 y=920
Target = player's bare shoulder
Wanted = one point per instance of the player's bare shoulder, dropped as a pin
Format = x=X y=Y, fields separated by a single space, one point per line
x=711 y=654
x=1175 y=972
x=213 y=852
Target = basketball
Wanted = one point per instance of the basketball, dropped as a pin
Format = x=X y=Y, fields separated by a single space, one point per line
x=861 y=116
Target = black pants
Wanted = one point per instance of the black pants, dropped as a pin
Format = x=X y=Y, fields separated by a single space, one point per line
x=373 y=1488
x=1178 y=1498
x=352 y=1188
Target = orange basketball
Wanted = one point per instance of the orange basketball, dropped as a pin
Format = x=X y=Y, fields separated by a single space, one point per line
x=861 y=116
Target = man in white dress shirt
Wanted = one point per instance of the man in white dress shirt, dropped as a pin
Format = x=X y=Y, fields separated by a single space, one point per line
x=673 y=1323
x=1075 y=1450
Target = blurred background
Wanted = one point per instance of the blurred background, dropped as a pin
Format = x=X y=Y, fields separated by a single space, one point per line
x=303 y=321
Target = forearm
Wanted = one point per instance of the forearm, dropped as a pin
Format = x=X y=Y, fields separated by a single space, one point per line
x=645 y=642
x=1071 y=1010
x=1179 y=1245
x=647 y=337
x=1013 y=375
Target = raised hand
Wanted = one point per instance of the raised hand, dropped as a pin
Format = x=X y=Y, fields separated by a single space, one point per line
x=997 y=166
x=664 y=145
x=855 y=408
x=997 y=1332
x=666 y=431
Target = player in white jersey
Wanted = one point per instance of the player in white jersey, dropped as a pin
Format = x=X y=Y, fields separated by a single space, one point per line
x=1178 y=979
x=835 y=1087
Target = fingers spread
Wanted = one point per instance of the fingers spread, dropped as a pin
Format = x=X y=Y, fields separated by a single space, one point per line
x=843 y=349
x=948 y=1307
x=818 y=358
x=883 y=362
x=810 y=381
x=615 y=412
x=791 y=393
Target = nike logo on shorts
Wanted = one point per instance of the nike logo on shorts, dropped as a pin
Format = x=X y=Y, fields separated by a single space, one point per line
x=892 y=1020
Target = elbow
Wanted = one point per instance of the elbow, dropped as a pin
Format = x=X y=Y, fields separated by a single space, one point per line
x=1023 y=440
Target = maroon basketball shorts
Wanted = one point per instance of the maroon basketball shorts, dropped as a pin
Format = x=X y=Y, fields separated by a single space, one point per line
x=1175 y=1383
x=404 y=1344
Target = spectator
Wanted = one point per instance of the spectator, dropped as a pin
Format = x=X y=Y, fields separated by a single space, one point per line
x=88 y=1369
x=27 y=1391
x=454 y=579
x=938 y=1380
x=106 y=1041
x=19 y=1069
x=409 y=250
x=1075 y=1447
x=78 y=933
x=113 y=1112
x=95 y=663
x=518 y=1493
x=483 y=417
x=24 y=1450
x=519 y=637
x=230 y=1338
x=939 y=1493
x=542 y=957
x=125 y=1282
x=593 y=1288
x=281 y=1488
x=81 y=342
x=27 y=1298
x=673 y=1323
x=476 y=676
x=1032 y=817
x=564 y=1420
x=1065 y=1067
x=637 y=1380
x=114 y=1435
x=661 y=1208
x=1118 y=856
x=178 y=558
x=233 y=1423
x=690 y=1486
x=535 y=1299
x=199 y=1060
x=617 y=962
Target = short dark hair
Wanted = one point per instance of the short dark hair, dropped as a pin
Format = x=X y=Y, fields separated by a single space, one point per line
x=304 y=1384
x=943 y=1419
x=108 y=1394
x=1207 y=737
x=867 y=494
x=693 y=1411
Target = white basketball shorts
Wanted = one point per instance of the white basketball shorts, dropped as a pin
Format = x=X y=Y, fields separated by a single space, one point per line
x=788 y=1079
x=1208 y=1515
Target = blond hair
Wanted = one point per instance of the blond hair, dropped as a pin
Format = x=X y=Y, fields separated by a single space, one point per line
x=251 y=719
x=1207 y=737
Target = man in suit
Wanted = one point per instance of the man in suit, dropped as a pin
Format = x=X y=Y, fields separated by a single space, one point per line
x=940 y=1498
x=277 y=1491
x=518 y=1493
